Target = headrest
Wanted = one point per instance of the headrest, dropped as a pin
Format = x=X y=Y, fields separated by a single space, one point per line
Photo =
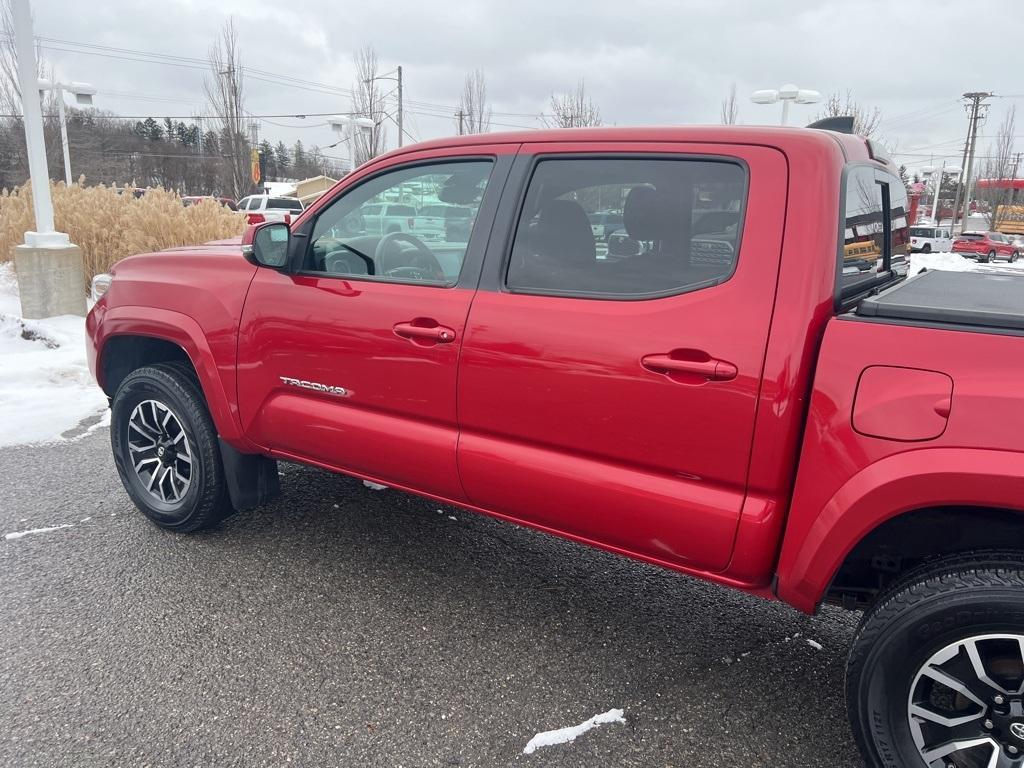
x=644 y=214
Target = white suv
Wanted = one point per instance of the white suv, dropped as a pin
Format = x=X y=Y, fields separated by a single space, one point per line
x=262 y=208
x=930 y=239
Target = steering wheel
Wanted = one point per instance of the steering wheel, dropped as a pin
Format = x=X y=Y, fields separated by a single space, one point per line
x=394 y=262
x=347 y=261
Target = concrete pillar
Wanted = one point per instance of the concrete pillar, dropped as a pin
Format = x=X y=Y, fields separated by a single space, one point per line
x=51 y=281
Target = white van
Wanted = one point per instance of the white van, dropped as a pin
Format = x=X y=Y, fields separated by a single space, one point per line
x=928 y=238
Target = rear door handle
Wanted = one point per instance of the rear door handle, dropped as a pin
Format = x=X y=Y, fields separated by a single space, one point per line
x=437 y=333
x=711 y=369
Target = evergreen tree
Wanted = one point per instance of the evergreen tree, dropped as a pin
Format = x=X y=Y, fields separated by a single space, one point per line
x=282 y=158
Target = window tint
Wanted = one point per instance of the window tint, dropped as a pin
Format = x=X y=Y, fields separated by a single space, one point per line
x=359 y=235
x=287 y=203
x=876 y=228
x=627 y=228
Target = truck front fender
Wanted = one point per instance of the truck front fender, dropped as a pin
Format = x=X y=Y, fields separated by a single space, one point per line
x=217 y=376
x=816 y=544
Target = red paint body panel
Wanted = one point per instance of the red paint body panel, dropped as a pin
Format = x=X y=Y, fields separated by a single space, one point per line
x=540 y=411
x=561 y=421
x=849 y=483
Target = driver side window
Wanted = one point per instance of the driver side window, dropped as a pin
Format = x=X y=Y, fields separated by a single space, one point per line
x=394 y=226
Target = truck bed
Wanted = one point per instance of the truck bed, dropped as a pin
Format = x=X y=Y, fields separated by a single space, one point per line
x=980 y=300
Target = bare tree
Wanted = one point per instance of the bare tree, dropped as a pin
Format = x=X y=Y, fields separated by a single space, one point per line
x=10 y=89
x=474 y=114
x=573 y=110
x=998 y=167
x=368 y=102
x=225 y=95
x=731 y=108
x=866 y=120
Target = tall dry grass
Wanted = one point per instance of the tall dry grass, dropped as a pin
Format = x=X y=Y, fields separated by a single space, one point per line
x=108 y=226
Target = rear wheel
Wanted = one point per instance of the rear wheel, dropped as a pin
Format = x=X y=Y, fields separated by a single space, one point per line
x=936 y=674
x=1013 y=256
x=165 y=448
x=990 y=256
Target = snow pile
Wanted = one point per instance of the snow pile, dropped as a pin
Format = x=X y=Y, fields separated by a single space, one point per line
x=565 y=735
x=950 y=262
x=45 y=385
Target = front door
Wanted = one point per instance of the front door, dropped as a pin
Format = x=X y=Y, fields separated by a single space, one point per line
x=608 y=381
x=348 y=357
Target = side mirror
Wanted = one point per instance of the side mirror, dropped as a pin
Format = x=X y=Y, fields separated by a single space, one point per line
x=269 y=247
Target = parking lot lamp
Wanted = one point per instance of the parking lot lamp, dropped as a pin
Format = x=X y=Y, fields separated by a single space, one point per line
x=51 y=279
x=787 y=94
x=83 y=93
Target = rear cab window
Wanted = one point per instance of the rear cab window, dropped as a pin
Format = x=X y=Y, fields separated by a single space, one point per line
x=284 y=203
x=876 y=232
x=670 y=225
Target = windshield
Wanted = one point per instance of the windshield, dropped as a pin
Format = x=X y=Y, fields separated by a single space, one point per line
x=972 y=236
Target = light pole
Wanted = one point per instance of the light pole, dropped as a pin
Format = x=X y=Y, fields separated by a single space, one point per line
x=398 y=79
x=787 y=94
x=51 y=280
x=83 y=93
x=938 y=176
x=349 y=124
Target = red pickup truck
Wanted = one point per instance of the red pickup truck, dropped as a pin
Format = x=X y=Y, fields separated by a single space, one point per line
x=741 y=384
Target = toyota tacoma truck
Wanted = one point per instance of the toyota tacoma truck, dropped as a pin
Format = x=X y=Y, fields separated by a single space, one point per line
x=750 y=390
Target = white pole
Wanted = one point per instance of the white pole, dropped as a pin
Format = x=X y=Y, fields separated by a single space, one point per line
x=59 y=93
x=785 y=111
x=935 y=194
x=44 y=235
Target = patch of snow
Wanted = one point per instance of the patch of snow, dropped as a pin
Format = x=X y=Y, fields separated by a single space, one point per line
x=452 y=517
x=949 y=262
x=45 y=385
x=21 y=534
x=813 y=643
x=374 y=486
x=565 y=735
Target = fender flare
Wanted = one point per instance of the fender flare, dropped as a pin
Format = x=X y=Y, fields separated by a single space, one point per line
x=904 y=482
x=182 y=330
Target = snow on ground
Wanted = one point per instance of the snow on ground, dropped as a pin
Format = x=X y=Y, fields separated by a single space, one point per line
x=45 y=385
x=21 y=534
x=952 y=262
x=564 y=735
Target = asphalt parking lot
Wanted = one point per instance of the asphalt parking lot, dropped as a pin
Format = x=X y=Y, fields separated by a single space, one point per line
x=343 y=626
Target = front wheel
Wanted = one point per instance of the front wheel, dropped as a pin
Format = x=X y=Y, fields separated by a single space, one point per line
x=927 y=248
x=166 y=450
x=935 y=678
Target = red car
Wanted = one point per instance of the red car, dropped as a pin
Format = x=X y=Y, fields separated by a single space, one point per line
x=745 y=388
x=985 y=246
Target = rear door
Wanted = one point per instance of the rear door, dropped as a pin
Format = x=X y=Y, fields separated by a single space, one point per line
x=348 y=359
x=607 y=391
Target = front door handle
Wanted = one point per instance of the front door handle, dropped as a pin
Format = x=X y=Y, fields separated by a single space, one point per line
x=711 y=369
x=421 y=330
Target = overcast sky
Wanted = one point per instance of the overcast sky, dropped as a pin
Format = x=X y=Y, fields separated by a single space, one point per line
x=644 y=61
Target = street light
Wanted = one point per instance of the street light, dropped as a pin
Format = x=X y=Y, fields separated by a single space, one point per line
x=83 y=93
x=51 y=280
x=937 y=175
x=787 y=94
x=349 y=123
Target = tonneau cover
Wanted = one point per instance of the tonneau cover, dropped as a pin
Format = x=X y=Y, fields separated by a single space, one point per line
x=988 y=299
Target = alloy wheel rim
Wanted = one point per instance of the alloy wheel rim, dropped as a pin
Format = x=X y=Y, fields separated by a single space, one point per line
x=966 y=704
x=160 y=452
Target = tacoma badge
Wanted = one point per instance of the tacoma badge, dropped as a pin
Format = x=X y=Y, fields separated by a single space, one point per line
x=341 y=391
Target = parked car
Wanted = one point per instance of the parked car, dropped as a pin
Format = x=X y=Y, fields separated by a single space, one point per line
x=604 y=223
x=767 y=403
x=457 y=220
x=928 y=238
x=227 y=202
x=260 y=209
x=387 y=218
x=985 y=246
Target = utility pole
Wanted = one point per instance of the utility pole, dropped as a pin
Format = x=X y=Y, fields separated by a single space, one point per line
x=977 y=107
x=399 y=106
x=461 y=115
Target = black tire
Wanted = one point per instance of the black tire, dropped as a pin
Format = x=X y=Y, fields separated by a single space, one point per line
x=939 y=604
x=204 y=501
x=990 y=257
x=1014 y=256
x=927 y=248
